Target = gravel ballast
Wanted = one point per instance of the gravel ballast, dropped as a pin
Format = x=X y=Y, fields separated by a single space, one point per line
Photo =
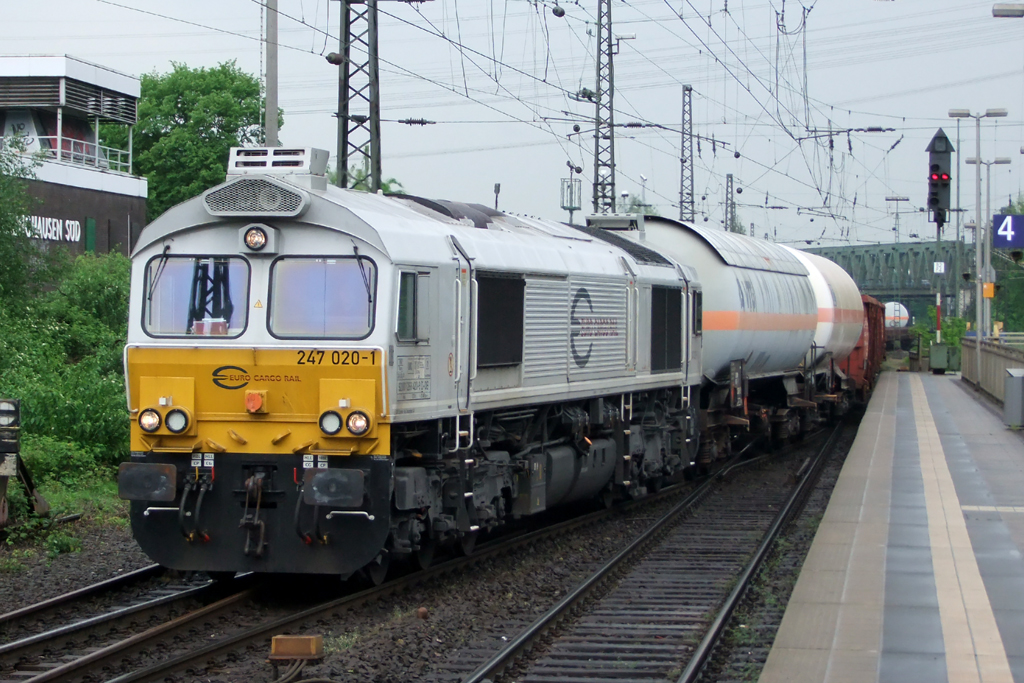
x=29 y=575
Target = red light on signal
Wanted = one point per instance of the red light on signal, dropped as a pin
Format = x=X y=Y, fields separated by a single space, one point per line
x=945 y=176
x=935 y=176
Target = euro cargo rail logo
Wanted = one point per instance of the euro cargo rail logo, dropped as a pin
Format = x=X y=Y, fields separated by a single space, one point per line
x=576 y=324
x=230 y=377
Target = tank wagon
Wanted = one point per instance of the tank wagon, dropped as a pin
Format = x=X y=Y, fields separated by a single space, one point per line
x=324 y=380
x=776 y=322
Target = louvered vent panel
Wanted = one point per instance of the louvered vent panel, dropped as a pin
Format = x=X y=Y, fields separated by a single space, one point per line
x=96 y=101
x=254 y=197
x=29 y=92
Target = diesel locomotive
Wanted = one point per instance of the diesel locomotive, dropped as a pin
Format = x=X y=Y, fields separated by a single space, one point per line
x=324 y=380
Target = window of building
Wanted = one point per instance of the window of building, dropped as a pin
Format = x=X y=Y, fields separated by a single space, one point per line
x=500 y=303
x=196 y=295
x=666 y=329
x=322 y=298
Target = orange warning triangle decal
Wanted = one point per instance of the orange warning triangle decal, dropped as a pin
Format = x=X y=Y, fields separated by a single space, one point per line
x=258 y=304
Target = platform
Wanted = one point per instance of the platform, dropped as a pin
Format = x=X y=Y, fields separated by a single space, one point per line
x=916 y=571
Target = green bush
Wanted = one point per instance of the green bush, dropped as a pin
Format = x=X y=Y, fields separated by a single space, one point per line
x=58 y=543
x=53 y=461
x=61 y=354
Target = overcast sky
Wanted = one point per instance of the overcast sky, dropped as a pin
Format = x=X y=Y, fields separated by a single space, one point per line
x=497 y=77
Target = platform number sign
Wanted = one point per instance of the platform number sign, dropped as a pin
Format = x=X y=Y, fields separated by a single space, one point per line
x=1008 y=232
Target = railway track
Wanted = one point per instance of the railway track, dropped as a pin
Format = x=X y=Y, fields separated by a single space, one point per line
x=656 y=609
x=11 y=622
x=107 y=641
x=114 y=631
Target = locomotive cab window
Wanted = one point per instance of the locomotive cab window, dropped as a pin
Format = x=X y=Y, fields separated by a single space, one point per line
x=500 y=303
x=322 y=298
x=413 y=311
x=196 y=295
x=666 y=329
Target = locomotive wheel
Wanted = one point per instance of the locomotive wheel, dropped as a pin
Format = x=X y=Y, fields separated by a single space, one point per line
x=467 y=544
x=654 y=485
x=423 y=557
x=377 y=570
x=220 y=577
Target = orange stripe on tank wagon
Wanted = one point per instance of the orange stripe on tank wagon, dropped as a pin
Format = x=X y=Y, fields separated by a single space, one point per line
x=763 y=322
x=841 y=315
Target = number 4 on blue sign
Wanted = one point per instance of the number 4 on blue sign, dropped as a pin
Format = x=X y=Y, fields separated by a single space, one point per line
x=1008 y=232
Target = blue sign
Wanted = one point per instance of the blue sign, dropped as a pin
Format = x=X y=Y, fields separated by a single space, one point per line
x=1008 y=232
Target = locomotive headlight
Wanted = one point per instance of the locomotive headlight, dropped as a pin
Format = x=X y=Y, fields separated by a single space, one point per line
x=358 y=423
x=255 y=238
x=177 y=420
x=330 y=422
x=149 y=420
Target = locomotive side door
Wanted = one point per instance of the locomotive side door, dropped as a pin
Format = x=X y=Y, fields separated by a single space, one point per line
x=461 y=364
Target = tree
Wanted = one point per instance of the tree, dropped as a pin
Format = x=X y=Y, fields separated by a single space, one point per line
x=1008 y=304
x=189 y=119
x=737 y=225
x=361 y=175
x=636 y=205
x=25 y=265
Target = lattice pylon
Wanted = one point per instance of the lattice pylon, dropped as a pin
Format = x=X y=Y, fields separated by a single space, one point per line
x=687 y=208
x=359 y=106
x=604 y=123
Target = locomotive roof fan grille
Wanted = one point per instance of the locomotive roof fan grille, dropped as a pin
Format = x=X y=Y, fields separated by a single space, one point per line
x=249 y=196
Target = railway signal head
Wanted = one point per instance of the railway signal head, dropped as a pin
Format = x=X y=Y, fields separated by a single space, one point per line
x=940 y=151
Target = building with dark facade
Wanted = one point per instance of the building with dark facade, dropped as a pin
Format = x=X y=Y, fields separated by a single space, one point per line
x=87 y=197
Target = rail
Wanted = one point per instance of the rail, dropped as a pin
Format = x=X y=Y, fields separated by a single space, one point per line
x=700 y=656
x=996 y=359
x=96 y=588
x=1015 y=339
x=339 y=606
x=519 y=647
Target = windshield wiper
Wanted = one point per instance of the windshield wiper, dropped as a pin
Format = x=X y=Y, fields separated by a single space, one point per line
x=159 y=271
x=362 y=271
x=156 y=278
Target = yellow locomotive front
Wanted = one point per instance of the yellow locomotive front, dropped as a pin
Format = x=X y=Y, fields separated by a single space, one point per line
x=260 y=439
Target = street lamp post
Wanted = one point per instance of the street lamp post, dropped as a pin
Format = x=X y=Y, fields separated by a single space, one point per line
x=987 y=247
x=979 y=231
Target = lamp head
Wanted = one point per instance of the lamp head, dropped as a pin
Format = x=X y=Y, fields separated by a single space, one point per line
x=1008 y=9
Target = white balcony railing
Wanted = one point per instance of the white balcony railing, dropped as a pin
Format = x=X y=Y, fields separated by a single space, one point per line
x=76 y=152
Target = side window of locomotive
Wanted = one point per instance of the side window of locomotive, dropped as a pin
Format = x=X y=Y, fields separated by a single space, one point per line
x=698 y=313
x=196 y=295
x=413 y=312
x=322 y=298
x=666 y=329
x=500 y=303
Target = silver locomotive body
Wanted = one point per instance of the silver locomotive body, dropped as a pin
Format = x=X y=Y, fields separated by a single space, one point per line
x=325 y=380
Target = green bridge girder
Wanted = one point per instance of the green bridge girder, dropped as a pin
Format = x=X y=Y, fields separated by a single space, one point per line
x=904 y=271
